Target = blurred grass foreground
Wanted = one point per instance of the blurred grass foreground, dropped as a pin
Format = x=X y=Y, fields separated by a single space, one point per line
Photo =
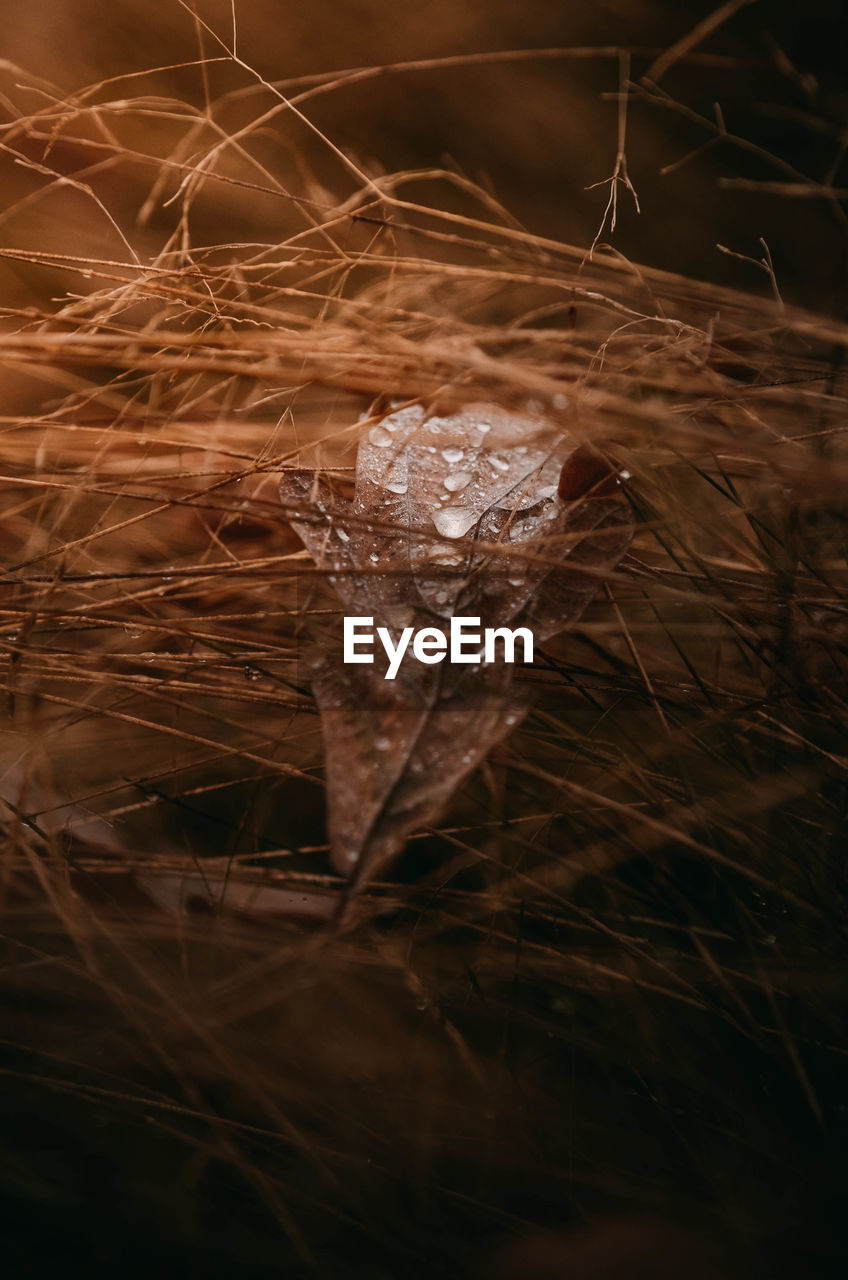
x=592 y=1022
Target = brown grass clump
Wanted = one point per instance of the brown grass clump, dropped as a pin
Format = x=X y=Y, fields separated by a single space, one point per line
x=591 y=1021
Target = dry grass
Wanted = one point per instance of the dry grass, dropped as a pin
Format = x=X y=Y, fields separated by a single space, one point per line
x=613 y=979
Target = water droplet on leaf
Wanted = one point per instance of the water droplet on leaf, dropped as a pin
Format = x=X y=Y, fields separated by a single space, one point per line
x=454 y=522
x=380 y=437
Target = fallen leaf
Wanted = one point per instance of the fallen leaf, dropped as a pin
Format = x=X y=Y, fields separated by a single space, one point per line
x=450 y=516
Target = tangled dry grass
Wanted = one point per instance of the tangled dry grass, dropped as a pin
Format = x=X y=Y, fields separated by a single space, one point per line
x=612 y=980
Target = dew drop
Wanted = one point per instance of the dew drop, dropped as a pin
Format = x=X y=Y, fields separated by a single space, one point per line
x=383 y=744
x=344 y=537
x=397 y=486
x=499 y=462
x=373 y=557
x=380 y=437
x=453 y=455
x=458 y=481
x=454 y=522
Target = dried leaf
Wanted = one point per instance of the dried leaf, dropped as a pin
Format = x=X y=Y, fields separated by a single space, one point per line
x=451 y=516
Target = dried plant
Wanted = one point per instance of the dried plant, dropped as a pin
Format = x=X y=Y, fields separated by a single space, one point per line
x=451 y=517
x=596 y=964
